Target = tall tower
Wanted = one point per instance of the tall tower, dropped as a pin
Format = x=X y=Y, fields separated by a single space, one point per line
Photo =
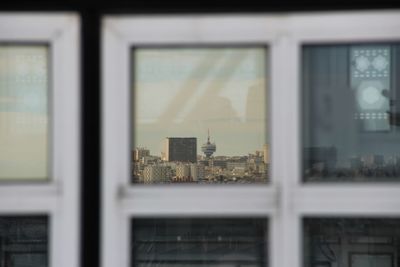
x=208 y=148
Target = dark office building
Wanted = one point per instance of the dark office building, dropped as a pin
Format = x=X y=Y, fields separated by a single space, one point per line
x=183 y=149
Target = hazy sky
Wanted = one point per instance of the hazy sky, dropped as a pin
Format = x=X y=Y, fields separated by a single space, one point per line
x=182 y=92
x=23 y=111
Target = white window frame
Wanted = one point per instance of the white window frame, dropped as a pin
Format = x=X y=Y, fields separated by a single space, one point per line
x=58 y=197
x=286 y=200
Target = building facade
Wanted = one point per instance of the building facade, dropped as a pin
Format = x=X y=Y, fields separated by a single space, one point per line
x=182 y=149
x=156 y=174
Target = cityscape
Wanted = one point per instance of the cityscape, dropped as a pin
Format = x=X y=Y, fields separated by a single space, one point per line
x=181 y=162
x=324 y=164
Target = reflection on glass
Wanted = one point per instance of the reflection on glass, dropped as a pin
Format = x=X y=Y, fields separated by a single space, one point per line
x=199 y=115
x=23 y=112
x=23 y=242
x=199 y=242
x=350 y=112
x=351 y=242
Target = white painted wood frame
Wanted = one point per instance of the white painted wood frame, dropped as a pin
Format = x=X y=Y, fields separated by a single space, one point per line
x=286 y=199
x=58 y=197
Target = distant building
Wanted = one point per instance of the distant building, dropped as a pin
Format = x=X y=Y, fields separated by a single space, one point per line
x=372 y=160
x=156 y=174
x=394 y=160
x=239 y=171
x=217 y=163
x=146 y=160
x=190 y=172
x=238 y=165
x=320 y=156
x=204 y=162
x=266 y=154
x=355 y=163
x=182 y=171
x=139 y=153
x=262 y=168
x=197 y=172
x=183 y=149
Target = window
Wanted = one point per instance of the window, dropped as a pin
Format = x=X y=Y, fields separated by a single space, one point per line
x=312 y=62
x=204 y=110
x=39 y=137
x=24 y=241
x=351 y=242
x=198 y=242
x=350 y=112
x=193 y=70
x=24 y=112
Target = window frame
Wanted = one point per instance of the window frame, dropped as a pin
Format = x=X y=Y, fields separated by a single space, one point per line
x=58 y=196
x=286 y=200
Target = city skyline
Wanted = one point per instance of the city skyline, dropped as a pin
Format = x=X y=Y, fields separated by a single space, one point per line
x=179 y=162
x=199 y=146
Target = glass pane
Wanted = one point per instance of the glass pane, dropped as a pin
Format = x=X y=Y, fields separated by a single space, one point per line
x=351 y=113
x=199 y=115
x=351 y=242
x=24 y=241
x=199 y=242
x=23 y=112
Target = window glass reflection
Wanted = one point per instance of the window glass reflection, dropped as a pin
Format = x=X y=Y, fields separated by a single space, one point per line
x=199 y=115
x=350 y=112
x=23 y=112
x=351 y=242
x=199 y=242
x=23 y=242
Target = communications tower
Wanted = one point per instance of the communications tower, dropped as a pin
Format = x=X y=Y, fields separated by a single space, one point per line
x=208 y=148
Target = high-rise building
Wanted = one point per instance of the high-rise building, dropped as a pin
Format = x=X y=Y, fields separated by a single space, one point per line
x=183 y=149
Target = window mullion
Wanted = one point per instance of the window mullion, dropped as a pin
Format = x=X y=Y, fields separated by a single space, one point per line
x=285 y=236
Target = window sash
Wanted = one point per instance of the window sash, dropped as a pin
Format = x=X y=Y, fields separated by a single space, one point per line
x=286 y=199
x=57 y=198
